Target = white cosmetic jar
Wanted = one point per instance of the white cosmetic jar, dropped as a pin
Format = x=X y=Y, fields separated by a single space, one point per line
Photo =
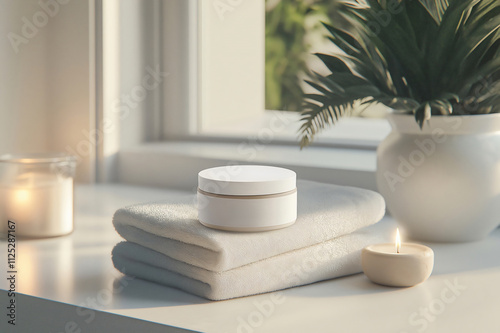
x=247 y=198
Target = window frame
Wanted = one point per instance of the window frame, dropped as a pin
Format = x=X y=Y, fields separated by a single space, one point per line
x=176 y=32
x=178 y=127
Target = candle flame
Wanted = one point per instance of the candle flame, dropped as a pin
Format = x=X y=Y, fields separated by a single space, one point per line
x=22 y=196
x=398 y=241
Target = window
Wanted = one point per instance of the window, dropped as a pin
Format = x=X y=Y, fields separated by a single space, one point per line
x=211 y=100
x=241 y=85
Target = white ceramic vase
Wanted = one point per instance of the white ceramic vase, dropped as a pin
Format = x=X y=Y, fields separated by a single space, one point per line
x=442 y=183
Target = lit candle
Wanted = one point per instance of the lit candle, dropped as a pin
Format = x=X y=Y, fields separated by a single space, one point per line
x=398 y=264
x=37 y=196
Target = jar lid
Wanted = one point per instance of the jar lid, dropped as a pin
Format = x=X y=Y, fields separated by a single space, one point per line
x=246 y=180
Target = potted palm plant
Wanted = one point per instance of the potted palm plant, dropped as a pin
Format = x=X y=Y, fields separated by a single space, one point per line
x=436 y=64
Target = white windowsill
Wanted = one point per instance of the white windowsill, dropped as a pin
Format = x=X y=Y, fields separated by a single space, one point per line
x=71 y=279
x=176 y=164
x=284 y=126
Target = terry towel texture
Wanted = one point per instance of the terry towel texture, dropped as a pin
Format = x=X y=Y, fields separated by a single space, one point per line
x=167 y=244
x=331 y=259
x=324 y=212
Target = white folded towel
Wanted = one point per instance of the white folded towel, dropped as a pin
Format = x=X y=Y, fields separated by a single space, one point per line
x=325 y=212
x=327 y=260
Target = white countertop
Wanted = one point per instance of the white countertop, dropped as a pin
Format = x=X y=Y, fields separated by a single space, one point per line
x=462 y=295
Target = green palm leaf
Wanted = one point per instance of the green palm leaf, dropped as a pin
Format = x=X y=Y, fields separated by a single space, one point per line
x=432 y=57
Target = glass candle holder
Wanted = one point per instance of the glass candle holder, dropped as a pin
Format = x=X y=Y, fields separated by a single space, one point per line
x=36 y=193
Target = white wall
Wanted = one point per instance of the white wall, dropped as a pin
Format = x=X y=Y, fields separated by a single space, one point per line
x=232 y=60
x=23 y=74
x=46 y=81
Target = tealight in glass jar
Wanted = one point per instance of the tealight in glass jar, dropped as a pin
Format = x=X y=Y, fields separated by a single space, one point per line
x=36 y=194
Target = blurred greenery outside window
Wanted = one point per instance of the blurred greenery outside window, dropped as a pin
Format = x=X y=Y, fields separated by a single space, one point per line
x=293 y=34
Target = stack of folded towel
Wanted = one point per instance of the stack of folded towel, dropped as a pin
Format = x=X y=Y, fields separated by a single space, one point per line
x=166 y=244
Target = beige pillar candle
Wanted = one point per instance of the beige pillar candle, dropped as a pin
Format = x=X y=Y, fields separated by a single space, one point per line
x=36 y=192
x=399 y=264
